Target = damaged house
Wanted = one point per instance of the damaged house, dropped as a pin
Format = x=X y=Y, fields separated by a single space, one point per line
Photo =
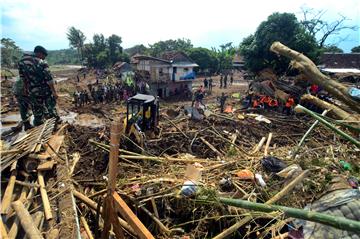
x=168 y=75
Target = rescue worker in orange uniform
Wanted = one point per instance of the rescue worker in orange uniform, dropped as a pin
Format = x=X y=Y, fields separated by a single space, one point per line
x=289 y=104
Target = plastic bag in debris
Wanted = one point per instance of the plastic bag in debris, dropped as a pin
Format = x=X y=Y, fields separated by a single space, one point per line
x=193 y=113
x=273 y=164
x=354 y=93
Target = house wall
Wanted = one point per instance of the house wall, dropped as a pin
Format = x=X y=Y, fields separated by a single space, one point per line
x=165 y=90
x=181 y=71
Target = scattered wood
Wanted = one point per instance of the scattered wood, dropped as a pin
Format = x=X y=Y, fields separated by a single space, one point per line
x=44 y=197
x=211 y=147
x=267 y=144
x=6 y=201
x=26 y=221
x=86 y=227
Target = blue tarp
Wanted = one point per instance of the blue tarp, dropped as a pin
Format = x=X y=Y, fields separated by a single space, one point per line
x=189 y=76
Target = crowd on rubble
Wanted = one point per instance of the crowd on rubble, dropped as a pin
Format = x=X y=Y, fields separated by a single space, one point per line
x=102 y=93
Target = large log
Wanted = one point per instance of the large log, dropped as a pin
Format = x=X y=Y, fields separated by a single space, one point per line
x=305 y=65
x=335 y=111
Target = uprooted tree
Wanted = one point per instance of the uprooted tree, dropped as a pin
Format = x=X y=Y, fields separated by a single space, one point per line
x=305 y=65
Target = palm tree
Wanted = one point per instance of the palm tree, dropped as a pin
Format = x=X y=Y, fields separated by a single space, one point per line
x=76 y=39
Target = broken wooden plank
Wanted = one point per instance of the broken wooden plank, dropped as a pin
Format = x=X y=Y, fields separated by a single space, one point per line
x=6 y=201
x=26 y=220
x=267 y=144
x=131 y=218
x=3 y=230
x=86 y=227
x=44 y=197
x=47 y=165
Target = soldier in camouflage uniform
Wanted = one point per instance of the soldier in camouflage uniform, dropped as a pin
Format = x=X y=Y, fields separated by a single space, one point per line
x=39 y=83
x=23 y=100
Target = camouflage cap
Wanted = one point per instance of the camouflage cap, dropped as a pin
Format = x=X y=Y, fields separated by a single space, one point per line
x=40 y=49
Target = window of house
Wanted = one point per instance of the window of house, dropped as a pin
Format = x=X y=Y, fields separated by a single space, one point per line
x=160 y=71
x=186 y=69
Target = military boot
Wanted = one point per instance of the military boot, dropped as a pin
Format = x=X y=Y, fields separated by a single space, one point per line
x=27 y=125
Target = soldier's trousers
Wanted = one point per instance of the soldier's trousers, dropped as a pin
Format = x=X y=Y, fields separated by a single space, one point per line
x=24 y=105
x=43 y=107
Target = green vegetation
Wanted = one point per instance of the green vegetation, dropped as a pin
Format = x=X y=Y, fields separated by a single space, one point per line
x=283 y=27
x=10 y=53
x=63 y=57
x=355 y=49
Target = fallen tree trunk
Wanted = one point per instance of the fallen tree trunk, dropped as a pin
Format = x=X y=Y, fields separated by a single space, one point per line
x=335 y=111
x=305 y=65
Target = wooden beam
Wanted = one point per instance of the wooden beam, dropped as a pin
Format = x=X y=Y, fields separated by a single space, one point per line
x=121 y=207
x=6 y=201
x=44 y=197
x=26 y=220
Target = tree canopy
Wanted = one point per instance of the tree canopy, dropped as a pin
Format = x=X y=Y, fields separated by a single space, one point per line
x=205 y=58
x=76 y=40
x=158 y=48
x=283 y=27
x=10 y=53
x=355 y=49
x=104 y=52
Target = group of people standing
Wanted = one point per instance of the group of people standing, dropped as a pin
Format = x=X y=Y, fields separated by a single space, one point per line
x=106 y=93
x=35 y=89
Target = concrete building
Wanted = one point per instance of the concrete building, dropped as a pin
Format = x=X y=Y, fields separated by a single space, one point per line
x=171 y=74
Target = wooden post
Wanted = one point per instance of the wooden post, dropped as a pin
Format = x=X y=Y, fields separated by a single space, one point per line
x=114 y=154
x=108 y=213
x=44 y=197
x=26 y=221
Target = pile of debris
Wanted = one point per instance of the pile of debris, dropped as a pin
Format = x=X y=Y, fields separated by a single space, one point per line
x=217 y=176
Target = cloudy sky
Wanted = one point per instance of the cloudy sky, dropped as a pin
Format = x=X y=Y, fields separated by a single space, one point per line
x=206 y=23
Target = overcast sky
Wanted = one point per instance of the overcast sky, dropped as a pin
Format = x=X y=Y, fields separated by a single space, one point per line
x=206 y=23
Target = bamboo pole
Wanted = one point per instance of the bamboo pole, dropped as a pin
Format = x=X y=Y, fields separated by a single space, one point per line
x=260 y=144
x=44 y=197
x=87 y=228
x=267 y=144
x=300 y=108
x=26 y=221
x=6 y=201
x=304 y=64
x=297 y=148
x=3 y=230
x=326 y=219
x=211 y=147
x=272 y=200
